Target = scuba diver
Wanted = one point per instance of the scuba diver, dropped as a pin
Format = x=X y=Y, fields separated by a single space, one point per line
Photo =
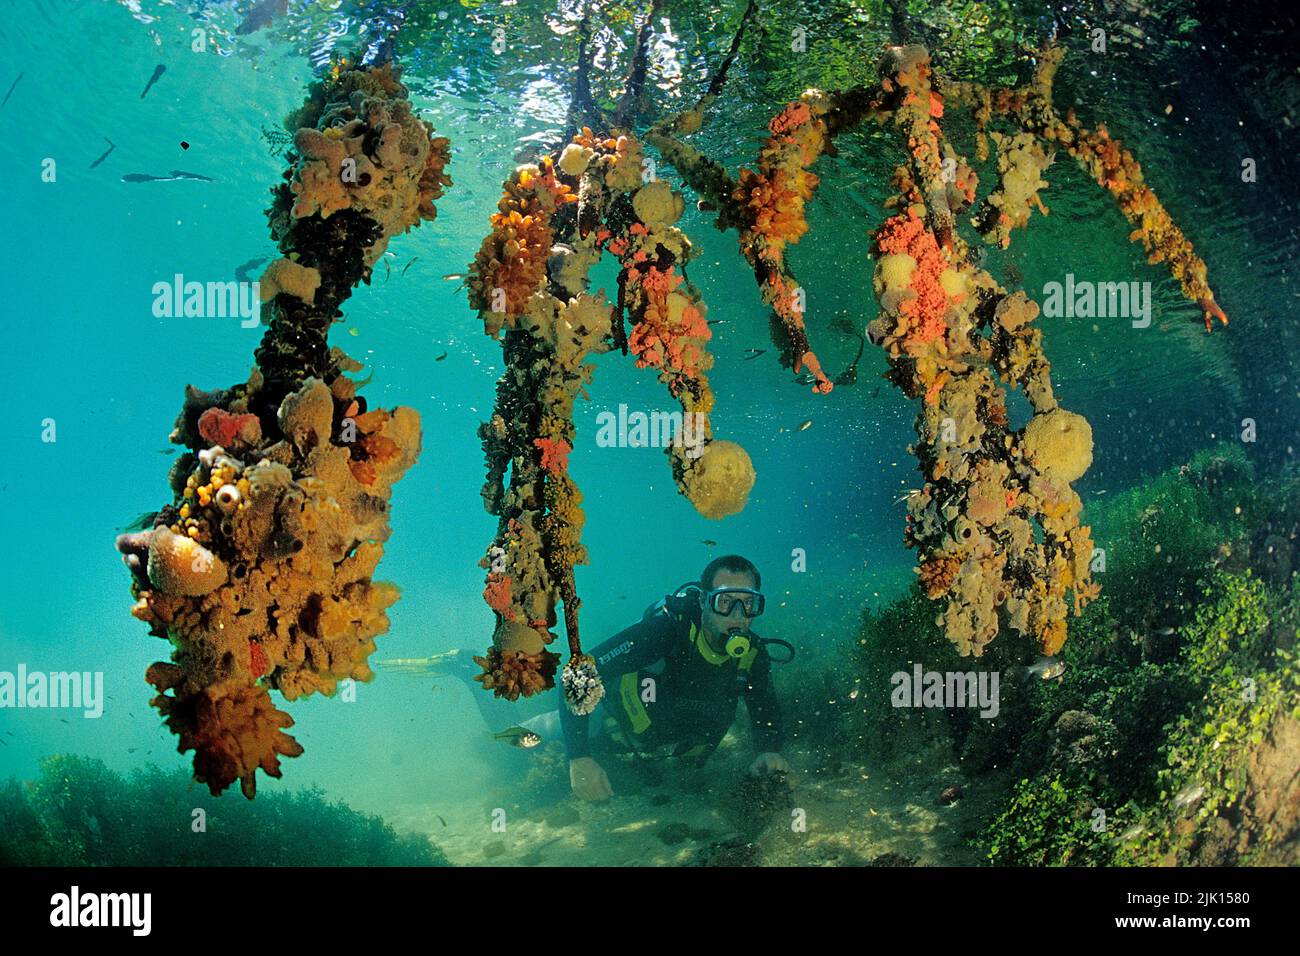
x=674 y=678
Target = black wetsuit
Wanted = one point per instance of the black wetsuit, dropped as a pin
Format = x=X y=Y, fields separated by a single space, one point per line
x=692 y=701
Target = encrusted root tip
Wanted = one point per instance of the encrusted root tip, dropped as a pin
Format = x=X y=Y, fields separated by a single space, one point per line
x=583 y=689
x=1211 y=310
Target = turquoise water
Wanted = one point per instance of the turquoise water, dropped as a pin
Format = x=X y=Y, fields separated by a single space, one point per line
x=85 y=350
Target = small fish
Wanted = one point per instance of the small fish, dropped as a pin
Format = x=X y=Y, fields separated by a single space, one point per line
x=3 y=742
x=388 y=272
x=454 y=275
x=441 y=357
x=1189 y=795
x=167 y=451
x=11 y=90
x=709 y=542
x=354 y=331
x=518 y=737
x=243 y=271
x=804 y=425
x=751 y=354
x=440 y=819
x=174 y=175
x=158 y=71
x=1164 y=631
x=1047 y=668
x=1133 y=832
x=111 y=146
x=717 y=321
x=408 y=265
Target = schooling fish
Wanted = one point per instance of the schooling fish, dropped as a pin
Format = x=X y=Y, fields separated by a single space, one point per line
x=454 y=275
x=111 y=146
x=441 y=357
x=518 y=737
x=804 y=425
x=1188 y=796
x=708 y=542
x=753 y=354
x=174 y=175
x=440 y=819
x=408 y=265
x=158 y=71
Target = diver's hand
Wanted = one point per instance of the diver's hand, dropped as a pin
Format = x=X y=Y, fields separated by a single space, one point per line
x=588 y=780
x=769 y=763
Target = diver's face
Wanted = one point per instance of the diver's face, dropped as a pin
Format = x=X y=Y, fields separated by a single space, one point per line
x=716 y=625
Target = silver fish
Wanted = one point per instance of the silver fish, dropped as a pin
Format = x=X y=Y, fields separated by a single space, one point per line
x=1047 y=668
x=518 y=737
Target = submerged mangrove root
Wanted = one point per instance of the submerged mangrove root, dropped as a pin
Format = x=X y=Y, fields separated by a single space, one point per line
x=259 y=572
x=1105 y=159
x=529 y=282
x=997 y=521
x=766 y=206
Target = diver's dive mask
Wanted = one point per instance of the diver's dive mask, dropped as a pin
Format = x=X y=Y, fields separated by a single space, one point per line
x=724 y=600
